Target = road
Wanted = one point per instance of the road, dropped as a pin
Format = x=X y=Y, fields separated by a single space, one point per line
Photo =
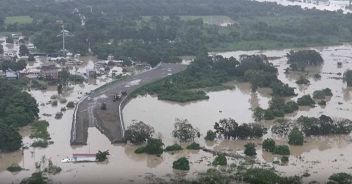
x=88 y=111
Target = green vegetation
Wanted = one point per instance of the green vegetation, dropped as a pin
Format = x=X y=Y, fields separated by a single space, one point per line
x=220 y=160
x=302 y=80
x=265 y=176
x=340 y=178
x=277 y=108
x=39 y=130
x=295 y=137
x=211 y=135
x=184 y=131
x=305 y=100
x=282 y=150
x=229 y=128
x=52 y=169
x=102 y=156
x=10 y=139
x=18 y=20
x=138 y=132
x=175 y=147
x=181 y=164
x=15 y=168
x=284 y=159
x=38 y=84
x=153 y=147
x=36 y=178
x=250 y=149
x=40 y=143
x=298 y=60
x=70 y=104
x=322 y=94
x=324 y=125
x=206 y=72
x=347 y=77
x=269 y=145
x=193 y=146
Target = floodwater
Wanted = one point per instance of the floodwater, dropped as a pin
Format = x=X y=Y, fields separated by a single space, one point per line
x=330 y=5
x=321 y=156
x=319 y=153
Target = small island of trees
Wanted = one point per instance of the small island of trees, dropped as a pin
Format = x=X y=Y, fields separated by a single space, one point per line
x=298 y=60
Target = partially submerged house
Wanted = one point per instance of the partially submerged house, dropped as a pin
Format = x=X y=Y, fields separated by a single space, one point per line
x=49 y=71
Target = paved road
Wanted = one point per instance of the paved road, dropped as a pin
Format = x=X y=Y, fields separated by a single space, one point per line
x=110 y=122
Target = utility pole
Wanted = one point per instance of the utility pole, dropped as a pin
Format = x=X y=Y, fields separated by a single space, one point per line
x=64 y=33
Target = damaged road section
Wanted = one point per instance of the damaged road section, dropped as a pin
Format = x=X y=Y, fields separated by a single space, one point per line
x=114 y=96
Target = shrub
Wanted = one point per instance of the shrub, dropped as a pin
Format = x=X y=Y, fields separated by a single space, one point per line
x=140 y=150
x=154 y=146
x=54 y=103
x=295 y=137
x=305 y=100
x=175 y=147
x=211 y=135
x=36 y=178
x=14 y=168
x=63 y=100
x=302 y=80
x=181 y=164
x=284 y=159
x=250 y=149
x=261 y=176
x=70 y=104
x=220 y=160
x=268 y=145
x=52 y=169
x=58 y=115
x=282 y=150
x=193 y=146
x=40 y=143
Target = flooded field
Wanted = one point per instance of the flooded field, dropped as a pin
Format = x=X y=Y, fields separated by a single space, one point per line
x=321 y=156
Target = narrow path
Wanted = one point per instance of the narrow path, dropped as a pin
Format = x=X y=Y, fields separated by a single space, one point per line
x=110 y=121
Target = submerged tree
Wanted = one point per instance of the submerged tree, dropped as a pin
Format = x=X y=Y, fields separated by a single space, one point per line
x=138 y=132
x=296 y=137
x=102 y=156
x=300 y=59
x=347 y=77
x=184 y=131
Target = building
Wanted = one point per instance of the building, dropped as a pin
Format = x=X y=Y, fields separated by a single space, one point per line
x=50 y=71
x=9 y=74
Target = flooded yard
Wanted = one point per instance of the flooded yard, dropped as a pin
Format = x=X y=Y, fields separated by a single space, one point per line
x=321 y=156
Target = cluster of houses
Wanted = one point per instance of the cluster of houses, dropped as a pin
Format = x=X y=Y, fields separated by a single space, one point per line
x=47 y=71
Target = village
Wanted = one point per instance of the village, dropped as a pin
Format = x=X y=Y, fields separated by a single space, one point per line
x=17 y=49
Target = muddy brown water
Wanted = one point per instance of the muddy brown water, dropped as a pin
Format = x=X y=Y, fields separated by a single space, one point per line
x=321 y=156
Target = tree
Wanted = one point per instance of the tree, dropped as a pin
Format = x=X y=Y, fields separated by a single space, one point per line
x=226 y=127
x=300 y=59
x=347 y=77
x=296 y=137
x=181 y=164
x=9 y=39
x=250 y=149
x=210 y=135
x=184 y=131
x=102 y=156
x=220 y=160
x=340 y=178
x=1 y=49
x=305 y=100
x=138 y=132
x=269 y=145
x=23 y=50
x=10 y=139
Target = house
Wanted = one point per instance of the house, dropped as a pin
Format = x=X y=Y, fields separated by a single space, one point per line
x=49 y=71
x=31 y=73
x=10 y=74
